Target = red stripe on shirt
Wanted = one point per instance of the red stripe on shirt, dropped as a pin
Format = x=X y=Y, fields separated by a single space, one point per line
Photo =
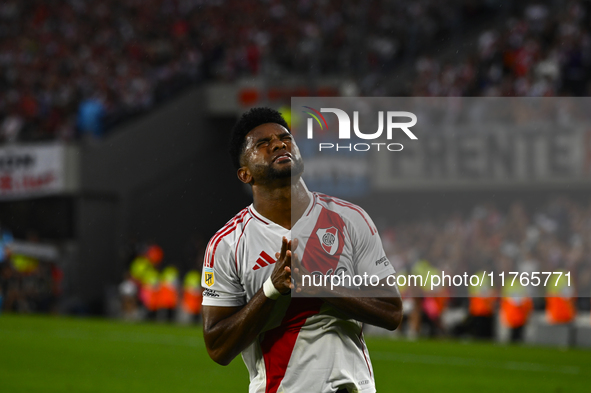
x=226 y=230
x=278 y=344
x=340 y=202
x=313 y=204
x=316 y=258
x=238 y=243
x=257 y=216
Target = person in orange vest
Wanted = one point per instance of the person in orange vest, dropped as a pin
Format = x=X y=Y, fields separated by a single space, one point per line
x=560 y=304
x=429 y=304
x=516 y=307
x=192 y=294
x=145 y=276
x=482 y=308
x=149 y=292
x=168 y=296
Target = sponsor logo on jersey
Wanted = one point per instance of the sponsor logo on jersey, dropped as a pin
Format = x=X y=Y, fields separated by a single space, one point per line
x=329 y=239
x=264 y=260
x=210 y=293
x=209 y=277
x=383 y=260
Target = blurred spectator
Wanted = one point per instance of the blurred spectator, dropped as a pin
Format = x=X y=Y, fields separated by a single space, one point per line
x=91 y=113
x=560 y=302
x=516 y=308
x=192 y=295
x=11 y=127
x=168 y=292
x=128 y=293
x=481 y=309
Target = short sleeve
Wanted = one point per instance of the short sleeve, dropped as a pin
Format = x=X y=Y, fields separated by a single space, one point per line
x=368 y=253
x=220 y=281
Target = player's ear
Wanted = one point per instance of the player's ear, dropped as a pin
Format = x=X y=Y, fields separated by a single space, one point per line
x=244 y=175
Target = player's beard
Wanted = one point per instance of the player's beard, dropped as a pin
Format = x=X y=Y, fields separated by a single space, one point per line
x=295 y=170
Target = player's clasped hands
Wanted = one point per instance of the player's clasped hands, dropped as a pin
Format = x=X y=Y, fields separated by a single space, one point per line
x=288 y=271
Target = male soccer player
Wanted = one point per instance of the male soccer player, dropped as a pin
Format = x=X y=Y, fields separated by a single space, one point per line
x=300 y=344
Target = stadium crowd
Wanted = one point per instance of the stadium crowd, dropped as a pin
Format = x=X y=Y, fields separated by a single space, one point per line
x=542 y=53
x=80 y=67
x=557 y=236
x=554 y=237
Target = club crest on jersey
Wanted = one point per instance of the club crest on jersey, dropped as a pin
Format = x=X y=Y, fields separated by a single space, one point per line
x=329 y=239
x=208 y=275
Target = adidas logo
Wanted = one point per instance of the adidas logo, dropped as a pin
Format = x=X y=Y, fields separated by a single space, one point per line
x=264 y=260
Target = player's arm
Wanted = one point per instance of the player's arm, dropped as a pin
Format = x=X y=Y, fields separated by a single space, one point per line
x=229 y=330
x=385 y=312
x=380 y=305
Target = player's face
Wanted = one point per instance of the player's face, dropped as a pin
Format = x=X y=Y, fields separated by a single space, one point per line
x=271 y=153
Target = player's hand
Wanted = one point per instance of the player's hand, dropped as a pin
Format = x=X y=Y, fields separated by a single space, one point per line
x=281 y=276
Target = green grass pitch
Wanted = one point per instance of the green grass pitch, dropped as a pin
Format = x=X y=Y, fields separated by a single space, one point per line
x=57 y=354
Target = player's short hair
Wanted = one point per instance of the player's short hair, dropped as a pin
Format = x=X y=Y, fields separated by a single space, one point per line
x=248 y=122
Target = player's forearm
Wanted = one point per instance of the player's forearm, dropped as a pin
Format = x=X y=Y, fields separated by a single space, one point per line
x=382 y=312
x=231 y=335
x=380 y=305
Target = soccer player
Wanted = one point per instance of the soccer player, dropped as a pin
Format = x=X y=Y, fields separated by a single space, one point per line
x=300 y=344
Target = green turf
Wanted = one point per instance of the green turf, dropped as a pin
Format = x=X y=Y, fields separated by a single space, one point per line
x=45 y=354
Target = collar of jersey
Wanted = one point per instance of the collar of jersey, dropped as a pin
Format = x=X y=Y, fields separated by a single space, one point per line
x=266 y=221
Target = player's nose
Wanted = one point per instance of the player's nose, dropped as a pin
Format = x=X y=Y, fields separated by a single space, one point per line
x=277 y=144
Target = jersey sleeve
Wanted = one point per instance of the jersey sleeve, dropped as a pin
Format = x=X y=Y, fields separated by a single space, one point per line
x=369 y=255
x=220 y=281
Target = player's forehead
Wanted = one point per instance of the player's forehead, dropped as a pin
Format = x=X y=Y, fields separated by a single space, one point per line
x=266 y=130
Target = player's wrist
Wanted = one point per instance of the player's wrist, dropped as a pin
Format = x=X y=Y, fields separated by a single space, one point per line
x=269 y=289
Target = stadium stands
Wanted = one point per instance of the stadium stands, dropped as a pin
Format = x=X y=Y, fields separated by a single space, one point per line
x=551 y=237
x=76 y=67
x=539 y=53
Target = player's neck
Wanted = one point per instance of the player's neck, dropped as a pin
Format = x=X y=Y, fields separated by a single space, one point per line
x=282 y=205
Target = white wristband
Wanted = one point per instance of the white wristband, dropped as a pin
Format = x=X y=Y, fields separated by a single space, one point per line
x=269 y=289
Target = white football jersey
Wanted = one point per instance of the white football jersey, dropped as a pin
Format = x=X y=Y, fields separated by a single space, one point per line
x=307 y=345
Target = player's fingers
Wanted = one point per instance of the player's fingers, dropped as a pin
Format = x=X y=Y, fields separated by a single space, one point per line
x=283 y=247
x=294 y=244
x=295 y=258
x=277 y=255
